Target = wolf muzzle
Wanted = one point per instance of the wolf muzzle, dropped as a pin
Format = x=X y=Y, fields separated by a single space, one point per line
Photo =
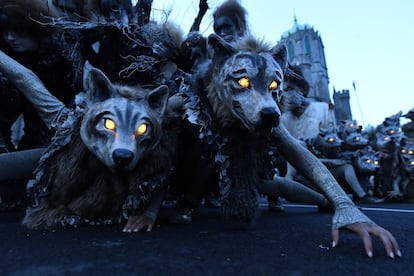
x=270 y=117
x=122 y=157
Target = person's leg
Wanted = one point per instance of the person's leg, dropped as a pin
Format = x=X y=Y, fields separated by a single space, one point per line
x=348 y=173
x=292 y=191
x=19 y=164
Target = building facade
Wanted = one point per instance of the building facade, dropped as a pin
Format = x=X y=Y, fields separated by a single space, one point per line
x=306 y=50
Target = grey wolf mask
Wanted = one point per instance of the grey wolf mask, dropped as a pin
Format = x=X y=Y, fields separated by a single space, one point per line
x=107 y=158
x=349 y=126
x=406 y=153
x=327 y=143
x=245 y=82
x=293 y=101
x=388 y=134
x=121 y=125
x=355 y=140
x=367 y=162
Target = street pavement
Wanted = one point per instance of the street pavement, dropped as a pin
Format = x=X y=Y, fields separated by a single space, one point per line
x=296 y=242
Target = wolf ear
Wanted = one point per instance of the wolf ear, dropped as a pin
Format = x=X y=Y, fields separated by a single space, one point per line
x=96 y=85
x=158 y=98
x=280 y=55
x=323 y=132
x=218 y=47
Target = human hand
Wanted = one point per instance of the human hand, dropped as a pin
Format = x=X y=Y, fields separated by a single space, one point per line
x=395 y=195
x=137 y=223
x=364 y=230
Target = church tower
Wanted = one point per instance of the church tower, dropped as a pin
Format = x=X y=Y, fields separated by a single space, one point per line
x=342 y=106
x=305 y=49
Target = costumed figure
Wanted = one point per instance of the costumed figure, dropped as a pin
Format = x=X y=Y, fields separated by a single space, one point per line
x=367 y=165
x=110 y=158
x=327 y=146
x=27 y=37
x=356 y=149
x=404 y=182
x=232 y=110
x=302 y=117
x=386 y=139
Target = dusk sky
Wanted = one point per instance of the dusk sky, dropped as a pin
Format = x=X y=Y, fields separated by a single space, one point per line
x=367 y=42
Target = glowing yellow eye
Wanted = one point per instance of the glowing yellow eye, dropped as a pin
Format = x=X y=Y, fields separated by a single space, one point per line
x=244 y=82
x=351 y=125
x=331 y=139
x=376 y=162
x=273 y=85
x=368 y=161
x=411 y=162
x=402 y=151
x=357 y=138
x=392 y=131
x=410 y=152
x=110 y=124
x=142 y=129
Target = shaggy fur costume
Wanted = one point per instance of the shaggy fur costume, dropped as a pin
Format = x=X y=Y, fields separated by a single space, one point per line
x=231 y=106
x=82 y=174
x=95 y=173
x=241 y=150
x=76 y=184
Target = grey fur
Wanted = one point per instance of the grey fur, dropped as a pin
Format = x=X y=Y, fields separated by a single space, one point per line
x=243 y=157
x=80 y=180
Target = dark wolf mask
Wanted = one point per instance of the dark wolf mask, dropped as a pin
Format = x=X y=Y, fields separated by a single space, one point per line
x=327 y=142
x=388 y=134
x=355 y=140
x=407 y=155
x=109 y=156
x=367 y=162
x=121 y=123
x=349 y=126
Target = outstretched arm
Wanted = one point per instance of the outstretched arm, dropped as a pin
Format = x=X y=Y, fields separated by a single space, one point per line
x=346 y=213
x=47 y=106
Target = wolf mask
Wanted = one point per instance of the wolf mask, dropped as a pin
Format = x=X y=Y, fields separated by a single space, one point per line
x=367 y=162
x=120 y=126
x=246 y=79
x=108 y=159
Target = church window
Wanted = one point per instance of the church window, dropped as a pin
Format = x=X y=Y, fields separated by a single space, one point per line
x=307 y=46
x=291 y=50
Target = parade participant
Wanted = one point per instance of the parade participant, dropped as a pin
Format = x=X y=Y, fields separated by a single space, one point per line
x=26 y=37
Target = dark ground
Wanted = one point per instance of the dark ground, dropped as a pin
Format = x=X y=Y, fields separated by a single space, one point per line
x=296 y=242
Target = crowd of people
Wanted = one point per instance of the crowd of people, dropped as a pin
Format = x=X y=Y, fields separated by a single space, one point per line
x=57 y=40
x=376 y=164
x=44 y=37
x=373 y=165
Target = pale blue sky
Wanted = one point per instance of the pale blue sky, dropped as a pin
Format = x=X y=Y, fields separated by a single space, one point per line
x=366 y=41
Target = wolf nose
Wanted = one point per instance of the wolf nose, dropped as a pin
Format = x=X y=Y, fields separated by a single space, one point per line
x=270 y=116
x=122 y=157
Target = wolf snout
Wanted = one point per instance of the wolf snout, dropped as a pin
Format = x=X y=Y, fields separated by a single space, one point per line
x=270 y=116
x=122 y=157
